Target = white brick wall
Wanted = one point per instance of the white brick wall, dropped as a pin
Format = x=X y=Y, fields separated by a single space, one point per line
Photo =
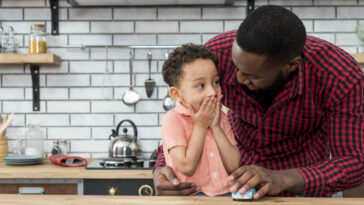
x=73 y=105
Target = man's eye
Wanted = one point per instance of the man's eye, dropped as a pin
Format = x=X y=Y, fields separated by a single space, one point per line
x=200 y=86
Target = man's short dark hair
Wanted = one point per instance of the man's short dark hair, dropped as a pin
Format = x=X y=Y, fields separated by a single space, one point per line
x=187 y=53
x=272 y=31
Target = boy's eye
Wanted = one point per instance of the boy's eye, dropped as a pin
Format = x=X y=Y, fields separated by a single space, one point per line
x=200 y=86
x=217 y=82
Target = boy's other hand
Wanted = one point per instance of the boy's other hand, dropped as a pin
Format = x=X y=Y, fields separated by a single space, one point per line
x=205 y=115
x=216 y=121
x=166 y=183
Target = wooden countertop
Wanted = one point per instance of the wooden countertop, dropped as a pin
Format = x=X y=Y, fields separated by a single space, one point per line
x=158 y=200
x=51 y=171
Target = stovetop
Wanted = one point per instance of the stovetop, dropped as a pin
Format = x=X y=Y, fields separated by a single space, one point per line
x=118 y=164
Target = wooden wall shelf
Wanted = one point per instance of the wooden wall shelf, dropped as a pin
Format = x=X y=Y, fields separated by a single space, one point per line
x=358 y=57
x=21 y=58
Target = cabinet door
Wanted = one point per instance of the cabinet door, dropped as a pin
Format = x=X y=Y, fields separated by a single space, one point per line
x=53 y=189
x=143 y=187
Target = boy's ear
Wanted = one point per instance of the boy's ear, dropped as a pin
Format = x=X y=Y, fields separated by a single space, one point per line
x=173 y=92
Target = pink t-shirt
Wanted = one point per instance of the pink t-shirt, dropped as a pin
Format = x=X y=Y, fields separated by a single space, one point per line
x=210 y=176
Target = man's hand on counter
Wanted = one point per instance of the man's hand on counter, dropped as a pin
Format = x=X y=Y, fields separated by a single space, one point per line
x=166 y=183
x=271 y=182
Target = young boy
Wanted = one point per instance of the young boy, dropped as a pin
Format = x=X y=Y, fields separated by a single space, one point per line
x=197 y=138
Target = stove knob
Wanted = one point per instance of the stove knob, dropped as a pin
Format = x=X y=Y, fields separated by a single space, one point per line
x=145 y=190
x=113 y=191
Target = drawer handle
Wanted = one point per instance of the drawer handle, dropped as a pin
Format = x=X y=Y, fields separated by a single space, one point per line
x=113 y=191
x=145 y=190
x=31 y=190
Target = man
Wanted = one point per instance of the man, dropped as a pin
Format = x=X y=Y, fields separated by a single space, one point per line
x=296 y=109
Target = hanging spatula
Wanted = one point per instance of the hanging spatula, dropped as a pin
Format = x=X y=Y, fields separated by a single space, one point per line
x=149 y=83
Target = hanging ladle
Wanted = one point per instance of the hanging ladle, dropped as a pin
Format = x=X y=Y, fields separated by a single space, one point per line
x=131 y=97
x=168 y=102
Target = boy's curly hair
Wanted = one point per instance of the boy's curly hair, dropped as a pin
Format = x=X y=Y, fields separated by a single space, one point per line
x=187 y=53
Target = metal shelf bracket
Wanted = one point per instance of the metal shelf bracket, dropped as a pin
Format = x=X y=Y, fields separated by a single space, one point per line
x=251 y=5
x=54 y=10
x=34 y=69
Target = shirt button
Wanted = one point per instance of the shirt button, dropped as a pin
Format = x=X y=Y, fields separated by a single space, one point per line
x=207 y=137
x=211 y=154
x=214 y=174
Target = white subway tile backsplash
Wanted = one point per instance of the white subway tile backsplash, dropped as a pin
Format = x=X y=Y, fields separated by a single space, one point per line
x=232 y=25
x=112 y=27
x=291 y=2
x=6 y=69
x=179 y=13
x=101 y=132
x=135 y=13
x=68 y=80
x=71 y=53
x=90 y=13
x=178 y=39
x=156 y=26
x=19 y=120
x=201 y=26
x=347 y=40
x=43 y=14
x=68 y=107
x=111 y=80
x=148 y=145
x=22 y=3
x=114 y=53
x=90 y=146
x=89 y=93
x=22 y=26
x=138 y=119
x=224 y=13
x=48 y=93
x=350 y=12
x=21 y=107
x=110 y=107
x=68 y=133
x=91 y=119
x=149 y=133
x=207 y=37
x=90 y=40
x=48 y=119
x=325 y=36
x=71 y=27
x=335 y=25
x=11 y=14
x=11 y=93
x=308 y=25
x=21 y=80
x=150 y=106
x=135 y=39
x=335 y=2
x=316 y=12
x=89 y=66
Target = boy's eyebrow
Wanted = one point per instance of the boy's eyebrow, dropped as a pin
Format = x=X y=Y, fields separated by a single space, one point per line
x=197 y=79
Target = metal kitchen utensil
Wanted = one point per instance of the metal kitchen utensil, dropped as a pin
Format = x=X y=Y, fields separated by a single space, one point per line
x=106 y=79
x=149 y=83
x=131 y=97
x=168 y=102
x=124 y=145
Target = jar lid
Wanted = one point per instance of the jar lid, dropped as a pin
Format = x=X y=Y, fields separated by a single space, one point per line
x=37 y=25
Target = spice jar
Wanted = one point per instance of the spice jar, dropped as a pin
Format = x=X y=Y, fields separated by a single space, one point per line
x=37 y=39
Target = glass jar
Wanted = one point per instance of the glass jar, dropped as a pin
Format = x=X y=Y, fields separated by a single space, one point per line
x=34 y=141
x=37 y=39
x=56 y=150
x=64 y=147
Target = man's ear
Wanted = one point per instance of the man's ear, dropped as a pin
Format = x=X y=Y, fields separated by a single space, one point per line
x=173 y=92
x=293 y=64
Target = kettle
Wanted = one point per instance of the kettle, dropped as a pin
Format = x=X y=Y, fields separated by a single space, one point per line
x=124 y=145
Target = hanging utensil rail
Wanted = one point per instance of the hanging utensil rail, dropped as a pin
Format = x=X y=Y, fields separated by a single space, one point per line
x=118 y=46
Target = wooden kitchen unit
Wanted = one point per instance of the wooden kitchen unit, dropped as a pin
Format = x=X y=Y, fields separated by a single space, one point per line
x=58 y=180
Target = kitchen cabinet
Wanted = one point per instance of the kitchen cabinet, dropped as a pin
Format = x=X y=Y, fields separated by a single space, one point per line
x=58 y=180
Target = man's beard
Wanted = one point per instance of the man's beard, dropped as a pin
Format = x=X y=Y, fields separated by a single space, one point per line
x=266 y=96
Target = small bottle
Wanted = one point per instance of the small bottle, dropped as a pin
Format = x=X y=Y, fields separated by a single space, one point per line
x=56 y=150
x=37 y=39
x=64 y=147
